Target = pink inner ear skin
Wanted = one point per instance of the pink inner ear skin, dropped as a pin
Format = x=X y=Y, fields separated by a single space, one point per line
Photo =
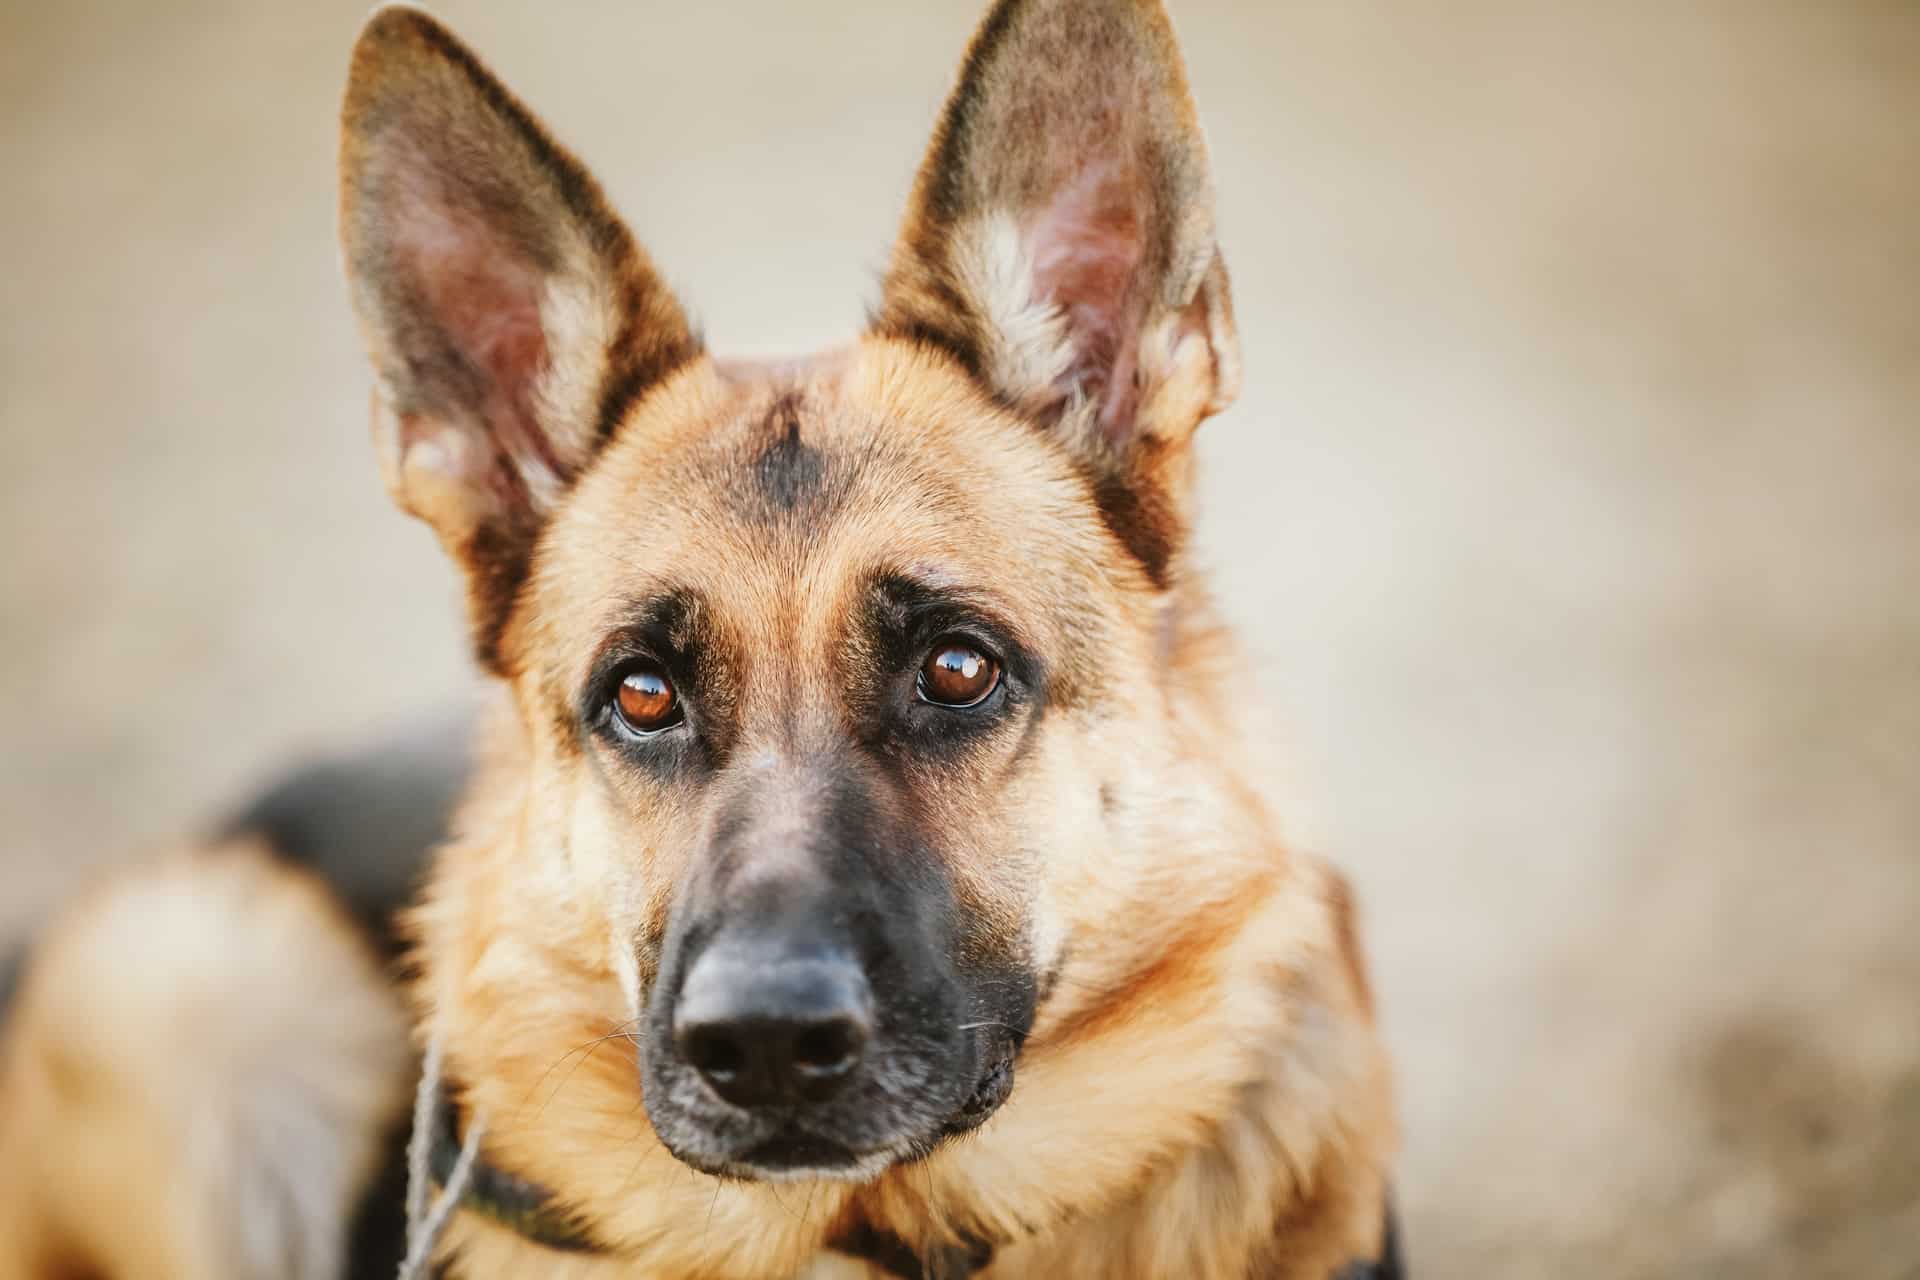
x=1087 y=245
x=482 y=296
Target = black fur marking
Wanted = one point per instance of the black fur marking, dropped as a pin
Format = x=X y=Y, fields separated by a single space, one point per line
x=886 y=1250
x=635 y=368
x=854 y=877
x=883 y=1249
x=789 y=473
x=12 y=968
x=956 y=341
x=1138 y=516
x=365 y=825
x=497 y=558
x=1049 y=982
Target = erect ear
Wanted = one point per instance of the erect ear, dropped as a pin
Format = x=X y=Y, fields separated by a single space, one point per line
x=511 y=317
x=1060 y=242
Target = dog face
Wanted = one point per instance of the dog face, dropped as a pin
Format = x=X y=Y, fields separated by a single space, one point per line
x=840 y=682
x=816 y=713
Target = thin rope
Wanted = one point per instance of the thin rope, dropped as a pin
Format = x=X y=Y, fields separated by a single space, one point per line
x=424 y=1227
x=426 y=1106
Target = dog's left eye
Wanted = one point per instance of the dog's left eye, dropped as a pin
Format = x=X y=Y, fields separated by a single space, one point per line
x=956 y=674
x=645 y=701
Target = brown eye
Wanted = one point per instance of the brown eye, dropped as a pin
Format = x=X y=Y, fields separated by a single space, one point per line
x=646 y=702
x=956 y=674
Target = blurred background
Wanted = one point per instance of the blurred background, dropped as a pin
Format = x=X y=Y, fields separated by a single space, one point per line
x=1572 y=510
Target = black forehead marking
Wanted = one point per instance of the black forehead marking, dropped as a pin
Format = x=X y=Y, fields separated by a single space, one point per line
x=789 y=473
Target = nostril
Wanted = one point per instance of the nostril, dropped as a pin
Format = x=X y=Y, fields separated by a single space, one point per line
x=764 y=1032
x=714 y=1054
x=828 y=1049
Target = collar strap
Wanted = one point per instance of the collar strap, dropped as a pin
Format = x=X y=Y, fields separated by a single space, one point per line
x=886 y=1250
x=521 y=1206
x=531 y=1211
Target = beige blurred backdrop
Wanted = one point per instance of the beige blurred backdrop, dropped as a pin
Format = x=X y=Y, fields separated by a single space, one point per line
x=1572 y=508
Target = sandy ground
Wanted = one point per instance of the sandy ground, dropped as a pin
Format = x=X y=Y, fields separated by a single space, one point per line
x=1573 y=507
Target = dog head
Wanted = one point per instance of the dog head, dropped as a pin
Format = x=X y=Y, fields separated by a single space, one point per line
x=841 y=685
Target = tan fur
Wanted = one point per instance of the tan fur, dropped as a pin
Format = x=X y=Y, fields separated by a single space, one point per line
x=197 y=1077
x=1203 y=1093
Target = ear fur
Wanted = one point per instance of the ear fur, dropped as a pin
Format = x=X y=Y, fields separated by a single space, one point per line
x=1059 y=242
x=510 y=316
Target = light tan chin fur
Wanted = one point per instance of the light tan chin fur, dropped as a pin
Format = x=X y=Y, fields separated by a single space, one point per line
x=198 y=1078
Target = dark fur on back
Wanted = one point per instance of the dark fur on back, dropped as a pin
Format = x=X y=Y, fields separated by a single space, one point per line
x=366 y=822
x=11 y=966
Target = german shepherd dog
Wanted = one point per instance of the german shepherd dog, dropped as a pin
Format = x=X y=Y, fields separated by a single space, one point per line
x=867 y=868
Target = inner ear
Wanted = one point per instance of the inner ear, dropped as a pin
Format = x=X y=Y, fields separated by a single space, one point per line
x=510 y=316
x=478 y=346
x=1059 y=241
x=1087 y=249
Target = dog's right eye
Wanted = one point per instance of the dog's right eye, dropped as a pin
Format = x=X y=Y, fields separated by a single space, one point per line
x=645 y=702
x=957 y=675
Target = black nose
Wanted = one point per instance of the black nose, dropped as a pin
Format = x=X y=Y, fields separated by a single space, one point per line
x=767 y=1029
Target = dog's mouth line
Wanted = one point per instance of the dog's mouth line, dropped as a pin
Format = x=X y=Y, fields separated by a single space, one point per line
x=991 y=1091
x=793 y=1147
x=792 y=1151
x=795 y=1155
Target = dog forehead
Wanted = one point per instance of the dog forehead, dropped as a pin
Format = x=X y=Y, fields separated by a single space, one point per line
x=759 y=485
